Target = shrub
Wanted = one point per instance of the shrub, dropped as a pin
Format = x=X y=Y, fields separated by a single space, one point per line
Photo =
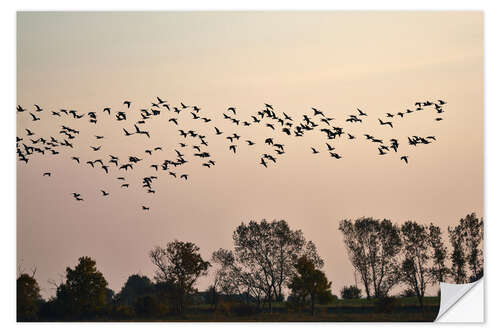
x=124 y=312
x=350 y=292
x=149 y=306
x=386 y=304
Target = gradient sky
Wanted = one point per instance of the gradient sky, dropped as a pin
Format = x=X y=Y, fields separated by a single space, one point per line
x=335 y=61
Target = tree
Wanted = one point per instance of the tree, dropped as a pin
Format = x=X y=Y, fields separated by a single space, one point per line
x=466 y=241
x=178 y=266
x=473 y=235
x=458 y=271
x=84 y=292
x=351 y=292
x=417 y=270
x=439 y=254
x=309 y=281
x=135 y=287
x=28 y=298
x=373 y=246
x=265 y=254
x=224 y=279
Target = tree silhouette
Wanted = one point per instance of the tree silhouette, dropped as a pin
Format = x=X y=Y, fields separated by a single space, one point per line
x=309 y=281
x=466 y=240
x=135 y=287
x=178 y=266
x=84 y=292
x=265 y=254
x=28 y=298
x=416 y=269
x=439 y=254
x=373 y=246
x=224 y=279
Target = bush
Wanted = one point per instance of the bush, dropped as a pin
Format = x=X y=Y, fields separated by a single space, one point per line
x=149 y=306
x=124 y=312
x=237 y=309
x=295 y=303
x=350 y=292
x=50 y=310
x=386 y=304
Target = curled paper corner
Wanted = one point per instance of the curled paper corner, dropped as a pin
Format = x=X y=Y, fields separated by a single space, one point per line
x=461 y=302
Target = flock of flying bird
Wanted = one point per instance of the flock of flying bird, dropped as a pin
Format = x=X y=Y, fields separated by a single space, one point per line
x=65 y=138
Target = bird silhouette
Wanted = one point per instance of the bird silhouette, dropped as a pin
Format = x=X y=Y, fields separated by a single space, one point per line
x=404 y=158
x=361 y=113
x=314 y=151
x=385 y=122
x=104 y=193
x=335 y=155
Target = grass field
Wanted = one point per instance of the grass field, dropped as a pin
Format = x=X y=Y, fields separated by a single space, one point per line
x=357 y=310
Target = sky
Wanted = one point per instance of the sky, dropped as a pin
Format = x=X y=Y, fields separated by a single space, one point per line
x=335 y=61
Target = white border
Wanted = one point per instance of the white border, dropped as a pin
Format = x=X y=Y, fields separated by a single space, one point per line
x=492 y=120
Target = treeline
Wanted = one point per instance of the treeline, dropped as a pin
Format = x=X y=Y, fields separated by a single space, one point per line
x=270 y=264
x=413 y=255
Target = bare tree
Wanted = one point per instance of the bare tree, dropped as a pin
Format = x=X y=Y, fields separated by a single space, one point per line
x=373 y=247
x=417 y=267
x=265 y=254
x=466 y=239
x=224 y=279
x=439 y=254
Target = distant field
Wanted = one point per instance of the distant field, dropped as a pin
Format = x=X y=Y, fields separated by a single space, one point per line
x=360 y=310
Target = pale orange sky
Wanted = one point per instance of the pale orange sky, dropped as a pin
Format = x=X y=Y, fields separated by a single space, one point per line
x=335 y=61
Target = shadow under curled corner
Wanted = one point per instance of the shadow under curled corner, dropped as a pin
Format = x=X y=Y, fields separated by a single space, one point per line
x=461 y=303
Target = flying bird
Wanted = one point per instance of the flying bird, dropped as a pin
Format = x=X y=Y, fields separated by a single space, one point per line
x=35 y=118
x=385 y=122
